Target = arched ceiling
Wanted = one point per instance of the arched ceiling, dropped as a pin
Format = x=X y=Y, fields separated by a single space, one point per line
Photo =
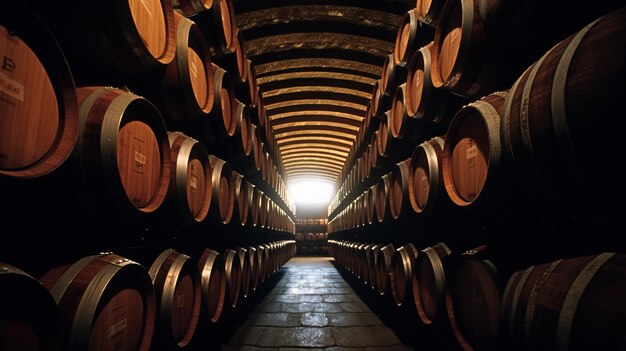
x=316 y=64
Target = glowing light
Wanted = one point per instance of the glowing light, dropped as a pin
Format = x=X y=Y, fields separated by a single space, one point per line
x=311 y=192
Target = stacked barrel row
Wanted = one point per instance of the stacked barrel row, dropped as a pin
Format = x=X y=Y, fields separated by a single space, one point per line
x=552 y=305
x=311 y=236
x=524 y=146
x=186 y=91
x=108 y=301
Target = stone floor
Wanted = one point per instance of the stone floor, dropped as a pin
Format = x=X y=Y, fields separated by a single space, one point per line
x=313 y=307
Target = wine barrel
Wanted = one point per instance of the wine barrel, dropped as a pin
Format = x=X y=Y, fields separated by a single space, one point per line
x=265 y=261
x=383 y=212
x=248 y=91
x=191 y=7
x=256 y=154
x=393 y=75
x=221 y=123
x=213 y=284
x=105 y=301
x=244 y=261
x=399 y=202
x=429 y=281
x=123 y=151
x=472 y=154
x=109 y=41
x=264 y=210
x=426 y=189
x=428 y=11
x=222 y=191
x=568 y=304
x=232 y=272
x=422 y=100
x=235 y=62
x=401 y=272
x=383 y=268
x=190 y=184
x=547 y=120
x=29 y=317
x=473 y=300
x=178 y=292
x=241 y=204
x=218 y=25
x=411 y=36
x=39 y=122
x=370 y=204
x=240 y=144
x=253 y=257
x=401 y=124
x=185 y=93
x=255 y=207
x=372 y=263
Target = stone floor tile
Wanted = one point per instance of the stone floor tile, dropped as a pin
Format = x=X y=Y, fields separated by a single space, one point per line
x=271 y=307
x=311 y=307
x=312 y=319
x=353 y=319
x=364 y=336
x=247 y=335
x=341 y=298
x=354 y=307
x=298 y=298
x=297 y=337
x=341 y=291
x=279 y=319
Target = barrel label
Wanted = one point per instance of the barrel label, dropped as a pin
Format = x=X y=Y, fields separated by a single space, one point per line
x=471 y=152
x=117 y=328
x=10 y=87
x=181 y=301
x=193 y=183
x=140 y=162
x=194 y=69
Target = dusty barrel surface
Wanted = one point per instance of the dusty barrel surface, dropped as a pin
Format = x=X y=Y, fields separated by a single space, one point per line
x=549 y=116
x=123 y=150
x=213 y=284
x=29 y=315
x=568 y=304
x=104 y=301
x=39 y=123
x=178 y=292
x=190 y=182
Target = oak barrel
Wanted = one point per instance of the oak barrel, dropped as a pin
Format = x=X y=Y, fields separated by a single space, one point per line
x=244 y=261
x=401 y=273
x=401 y=123
x=39 y=123
x=178 y=292
x=253 y=257
x=191 y=7
x=426 y=189
x=105 y=301
x=218 y=25
x=123 y=150
x=29 y=317
x=232 y=272
x=472 y=154
x=213 y=284
x=399 y=201
x=221 y=123
x=411 y=35
x=429 y=282
x=190 y=182
x=569 y=304
x=383 y=268
x=222 y=191
x=428 y=11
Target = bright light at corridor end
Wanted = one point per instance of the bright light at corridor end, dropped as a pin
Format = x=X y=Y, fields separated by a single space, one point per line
x=311 y=192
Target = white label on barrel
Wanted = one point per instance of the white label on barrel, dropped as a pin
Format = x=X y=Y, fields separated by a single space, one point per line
x=181 y=300
x=140 y=162
x=470 y=153
x=193 y=183
x=117 y=328
x=147 y=6
x=11 y=87
x=194 y=69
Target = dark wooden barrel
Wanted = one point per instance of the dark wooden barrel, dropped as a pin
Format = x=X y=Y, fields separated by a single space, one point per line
x=265 y=261
x=242 y=198
x=241 y=141
x=429 y=282
x=472 y=154
x=255 y=207
x=232 y=272
x=422 y=100
x=178 y=292
x=244 y=261
x=248 y=90
x=372 y=261
x=568 y=304
x=399 y=200
x=401 y=272
x=218 y=25
x=185 y=94
x=105 y=301
x=123 y=150
x=459 y=41
x=426 y=189
x=383 y=268
x=383 y=212
x=411 y=36
x=213 y=284
x=264 y=210
x=29 y=317
x=253 y=257
x=392 y=76
x=190 y=182
x=473 y=294
x=256 y=154
x=428 y=11
x=402 y=125
x=191 y=7
x=548 y=118
x=108 y=41
x=222 y=191
x=221 y=123
x=39 y=122
x=369 y=205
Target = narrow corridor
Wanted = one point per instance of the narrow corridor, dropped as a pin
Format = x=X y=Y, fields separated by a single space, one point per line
x=313 y=307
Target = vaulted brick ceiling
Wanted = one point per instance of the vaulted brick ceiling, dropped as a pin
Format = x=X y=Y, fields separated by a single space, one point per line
x=316 y=65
